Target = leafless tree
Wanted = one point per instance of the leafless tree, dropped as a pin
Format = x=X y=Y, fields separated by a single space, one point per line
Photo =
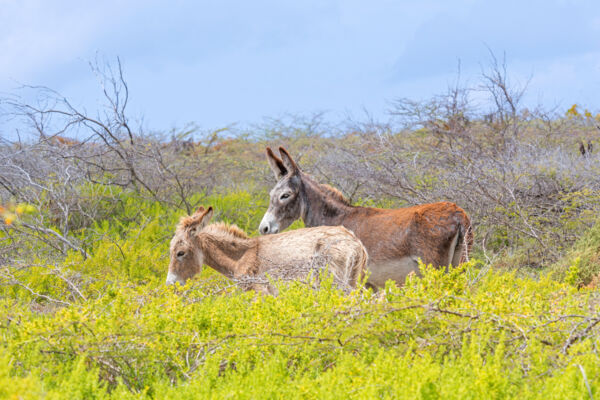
x=512 y=169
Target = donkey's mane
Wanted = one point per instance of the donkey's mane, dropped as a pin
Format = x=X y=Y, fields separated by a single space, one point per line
x=186 y=221
x=335 y=193
x=329 y=191
x=222 y=227
x=233 y=230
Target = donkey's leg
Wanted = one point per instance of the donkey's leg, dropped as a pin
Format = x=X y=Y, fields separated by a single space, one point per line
x=453 y=250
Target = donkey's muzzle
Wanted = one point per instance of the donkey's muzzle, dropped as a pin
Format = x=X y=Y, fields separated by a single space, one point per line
x=266 y=229
x=267 y=226
x=172 y=278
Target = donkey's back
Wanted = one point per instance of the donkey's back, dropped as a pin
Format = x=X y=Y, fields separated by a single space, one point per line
x=298 y=253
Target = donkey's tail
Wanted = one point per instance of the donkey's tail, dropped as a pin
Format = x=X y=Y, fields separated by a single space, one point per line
x=464 y=241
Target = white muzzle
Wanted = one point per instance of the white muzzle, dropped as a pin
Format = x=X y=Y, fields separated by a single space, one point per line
x=172 y=278
x=268 y=224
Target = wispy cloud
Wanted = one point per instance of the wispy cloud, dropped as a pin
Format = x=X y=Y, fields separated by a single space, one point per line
x=36 y=35
x=216 y=62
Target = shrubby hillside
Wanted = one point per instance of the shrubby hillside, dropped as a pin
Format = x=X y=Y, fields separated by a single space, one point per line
x=90 y=202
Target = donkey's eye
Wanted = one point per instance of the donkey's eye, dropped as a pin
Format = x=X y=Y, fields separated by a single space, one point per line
x=180 y=253
x=284 y=196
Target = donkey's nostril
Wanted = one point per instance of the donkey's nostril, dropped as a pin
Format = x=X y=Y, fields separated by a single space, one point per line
x=264 y=229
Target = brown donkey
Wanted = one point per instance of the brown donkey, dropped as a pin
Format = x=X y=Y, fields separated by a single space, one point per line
x=437 y=233
x=289 y=255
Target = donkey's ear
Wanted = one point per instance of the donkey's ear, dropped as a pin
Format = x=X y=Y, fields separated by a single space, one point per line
x=288 y=162
x=199 y=220
x=204 y=217
x=276 y=164
x=207 y=215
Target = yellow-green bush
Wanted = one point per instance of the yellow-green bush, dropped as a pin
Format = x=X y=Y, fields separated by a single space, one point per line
x=464 y=334
x=582 y=262
x=469 y=332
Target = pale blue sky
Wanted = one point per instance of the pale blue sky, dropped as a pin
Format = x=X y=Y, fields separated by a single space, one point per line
x=221 y=62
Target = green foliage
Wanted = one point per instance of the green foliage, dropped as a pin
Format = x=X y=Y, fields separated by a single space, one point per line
x=572 y=276
x=11 y=212
x=582 y=263
x=465 y=332
x=16 y=387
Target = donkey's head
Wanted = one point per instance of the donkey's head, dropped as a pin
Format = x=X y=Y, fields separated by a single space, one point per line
x=286 y=203
x=186 y=255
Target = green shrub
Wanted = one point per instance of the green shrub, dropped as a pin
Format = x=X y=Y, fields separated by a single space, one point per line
x=582 y=262
x=465 y=332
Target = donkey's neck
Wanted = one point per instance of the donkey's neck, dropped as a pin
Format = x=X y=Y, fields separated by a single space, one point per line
x=321 y=207
x=231 y=256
